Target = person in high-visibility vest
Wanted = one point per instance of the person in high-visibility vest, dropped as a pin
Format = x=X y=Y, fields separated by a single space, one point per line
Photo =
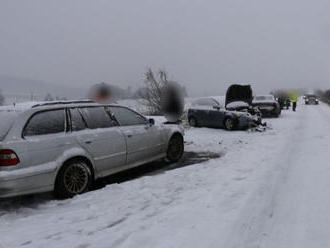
x=294 y=99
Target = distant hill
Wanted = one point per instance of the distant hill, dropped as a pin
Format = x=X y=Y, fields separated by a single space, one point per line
x=23 y=89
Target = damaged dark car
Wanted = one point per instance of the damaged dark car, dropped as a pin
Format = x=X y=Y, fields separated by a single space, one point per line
x=267 y=105
x=240 y=98
x=237 y=114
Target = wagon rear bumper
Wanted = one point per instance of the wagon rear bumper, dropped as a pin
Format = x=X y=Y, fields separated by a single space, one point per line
x=26 y=181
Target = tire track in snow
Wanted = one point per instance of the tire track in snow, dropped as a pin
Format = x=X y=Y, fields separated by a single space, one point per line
x=256 y=220
x=302 y=214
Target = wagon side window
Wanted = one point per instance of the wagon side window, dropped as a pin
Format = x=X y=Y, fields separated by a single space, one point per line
x=77 y=121
x=127 y=117
x=96 y=117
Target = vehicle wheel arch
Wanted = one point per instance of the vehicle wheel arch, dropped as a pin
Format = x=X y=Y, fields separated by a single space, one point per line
x=75 y=153
x=233 y=117
x=176 y=133
x=193 y=117
x=72 y=159
x=58 y=185
x=173 y=134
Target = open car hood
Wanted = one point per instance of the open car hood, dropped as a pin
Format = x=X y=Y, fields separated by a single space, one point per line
x=239 y=93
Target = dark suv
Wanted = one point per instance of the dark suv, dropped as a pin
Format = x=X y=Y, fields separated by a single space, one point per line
x=311 y=99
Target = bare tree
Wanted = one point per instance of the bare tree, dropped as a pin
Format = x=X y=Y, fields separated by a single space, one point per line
x=326 y=96
x=2 y=98
x=49 y=98
x=153 y=91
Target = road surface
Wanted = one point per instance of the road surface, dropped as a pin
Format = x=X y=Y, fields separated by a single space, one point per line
x=291 y=209
x=263 y=190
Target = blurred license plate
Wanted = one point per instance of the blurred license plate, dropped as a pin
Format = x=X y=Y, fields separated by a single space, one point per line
x=266 y=108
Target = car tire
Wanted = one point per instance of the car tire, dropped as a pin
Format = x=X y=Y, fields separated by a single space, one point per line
x=229 y=124
x=74 y=178
x=175 y=149
x=193 y=122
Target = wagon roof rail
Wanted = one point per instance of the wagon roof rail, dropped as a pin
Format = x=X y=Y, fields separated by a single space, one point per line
x=61 y=102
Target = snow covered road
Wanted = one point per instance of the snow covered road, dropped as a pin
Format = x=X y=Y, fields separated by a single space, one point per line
x=293 y=211
x=265 y=190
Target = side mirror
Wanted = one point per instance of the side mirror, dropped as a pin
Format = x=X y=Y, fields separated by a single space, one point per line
x=151 y=122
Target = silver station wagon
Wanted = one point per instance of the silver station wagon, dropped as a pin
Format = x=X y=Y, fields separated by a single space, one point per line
x=64 y=146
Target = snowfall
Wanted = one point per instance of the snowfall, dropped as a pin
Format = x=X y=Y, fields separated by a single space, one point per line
x=257 y=189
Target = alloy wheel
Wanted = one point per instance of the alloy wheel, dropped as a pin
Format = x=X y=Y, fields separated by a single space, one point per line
x=76 y=178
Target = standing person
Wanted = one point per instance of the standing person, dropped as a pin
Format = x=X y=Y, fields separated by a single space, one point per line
x=172 y=102
x=287 y=103
x=294 y=100
x=101 y=93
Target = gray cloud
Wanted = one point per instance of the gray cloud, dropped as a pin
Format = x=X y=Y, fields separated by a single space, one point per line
x=205 y=45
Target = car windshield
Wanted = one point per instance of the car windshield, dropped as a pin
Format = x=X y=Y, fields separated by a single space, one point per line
x=7 y=118
x=264 y=98
x=206 y=102
x=311 y=96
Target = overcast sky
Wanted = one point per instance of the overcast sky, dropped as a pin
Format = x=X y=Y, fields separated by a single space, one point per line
x=203 y=44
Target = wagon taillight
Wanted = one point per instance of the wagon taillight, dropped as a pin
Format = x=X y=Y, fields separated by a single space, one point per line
x=8 y=158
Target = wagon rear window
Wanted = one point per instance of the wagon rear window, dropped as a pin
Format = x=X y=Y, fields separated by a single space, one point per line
x=47 y=122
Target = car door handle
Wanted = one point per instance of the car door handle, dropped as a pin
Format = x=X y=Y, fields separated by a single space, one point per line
x=88 y=142
x=129 y=135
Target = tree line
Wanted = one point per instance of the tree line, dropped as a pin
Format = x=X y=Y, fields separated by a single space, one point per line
x=324 y=95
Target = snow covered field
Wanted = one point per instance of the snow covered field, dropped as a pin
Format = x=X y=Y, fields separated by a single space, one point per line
x=266 y=189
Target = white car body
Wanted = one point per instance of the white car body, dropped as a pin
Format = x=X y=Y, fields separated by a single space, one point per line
x=108 y=149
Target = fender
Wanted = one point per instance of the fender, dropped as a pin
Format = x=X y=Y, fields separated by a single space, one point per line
x=173 y=130
x=71 y=153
